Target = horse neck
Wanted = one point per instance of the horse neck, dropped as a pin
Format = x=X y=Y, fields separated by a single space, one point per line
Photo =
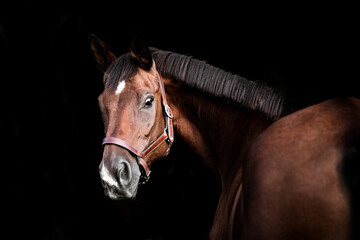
x=219 y=133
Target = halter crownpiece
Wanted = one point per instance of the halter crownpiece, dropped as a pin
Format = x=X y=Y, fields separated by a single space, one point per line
x=167 y=135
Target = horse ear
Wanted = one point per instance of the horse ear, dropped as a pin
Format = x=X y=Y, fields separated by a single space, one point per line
x=104 y=57
x=141 y=53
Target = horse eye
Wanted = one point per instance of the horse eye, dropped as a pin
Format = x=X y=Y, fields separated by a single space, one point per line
x=148 y=102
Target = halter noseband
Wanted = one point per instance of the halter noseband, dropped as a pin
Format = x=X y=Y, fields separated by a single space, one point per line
x=168 y=135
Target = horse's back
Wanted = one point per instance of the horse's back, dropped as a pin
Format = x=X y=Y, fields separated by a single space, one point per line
x=294 y=184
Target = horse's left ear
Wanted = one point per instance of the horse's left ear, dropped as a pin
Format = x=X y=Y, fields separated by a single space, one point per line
x=141 y=53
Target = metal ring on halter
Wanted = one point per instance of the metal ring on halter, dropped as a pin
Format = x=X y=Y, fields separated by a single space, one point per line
x=145 y=174
x=168 y=111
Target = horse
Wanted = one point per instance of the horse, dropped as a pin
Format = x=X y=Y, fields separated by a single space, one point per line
x=284 y=174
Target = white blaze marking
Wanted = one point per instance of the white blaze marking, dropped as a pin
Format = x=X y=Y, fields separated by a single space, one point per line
x=120 y=87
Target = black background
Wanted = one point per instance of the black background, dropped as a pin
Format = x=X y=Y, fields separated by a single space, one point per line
x=51 y=125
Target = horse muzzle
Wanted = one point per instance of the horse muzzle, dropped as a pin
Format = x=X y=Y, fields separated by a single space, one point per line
x=119 y=173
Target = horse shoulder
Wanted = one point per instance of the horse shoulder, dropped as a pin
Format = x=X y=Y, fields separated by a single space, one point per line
x=293 y=187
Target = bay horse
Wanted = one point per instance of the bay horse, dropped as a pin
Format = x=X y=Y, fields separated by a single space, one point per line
x=284 y=175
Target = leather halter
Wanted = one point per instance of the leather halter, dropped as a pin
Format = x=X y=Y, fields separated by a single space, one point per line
x=168 y=135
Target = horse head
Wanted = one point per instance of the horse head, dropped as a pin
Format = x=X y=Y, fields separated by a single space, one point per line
x=137 y=119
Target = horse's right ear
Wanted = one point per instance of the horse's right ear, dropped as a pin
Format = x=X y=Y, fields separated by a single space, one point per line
x=104 y=57
x=141 y=53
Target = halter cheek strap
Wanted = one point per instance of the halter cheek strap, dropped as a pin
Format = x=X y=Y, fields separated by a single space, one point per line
x=168 y=135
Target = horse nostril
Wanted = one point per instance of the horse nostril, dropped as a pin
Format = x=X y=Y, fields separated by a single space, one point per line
x=124 y=174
